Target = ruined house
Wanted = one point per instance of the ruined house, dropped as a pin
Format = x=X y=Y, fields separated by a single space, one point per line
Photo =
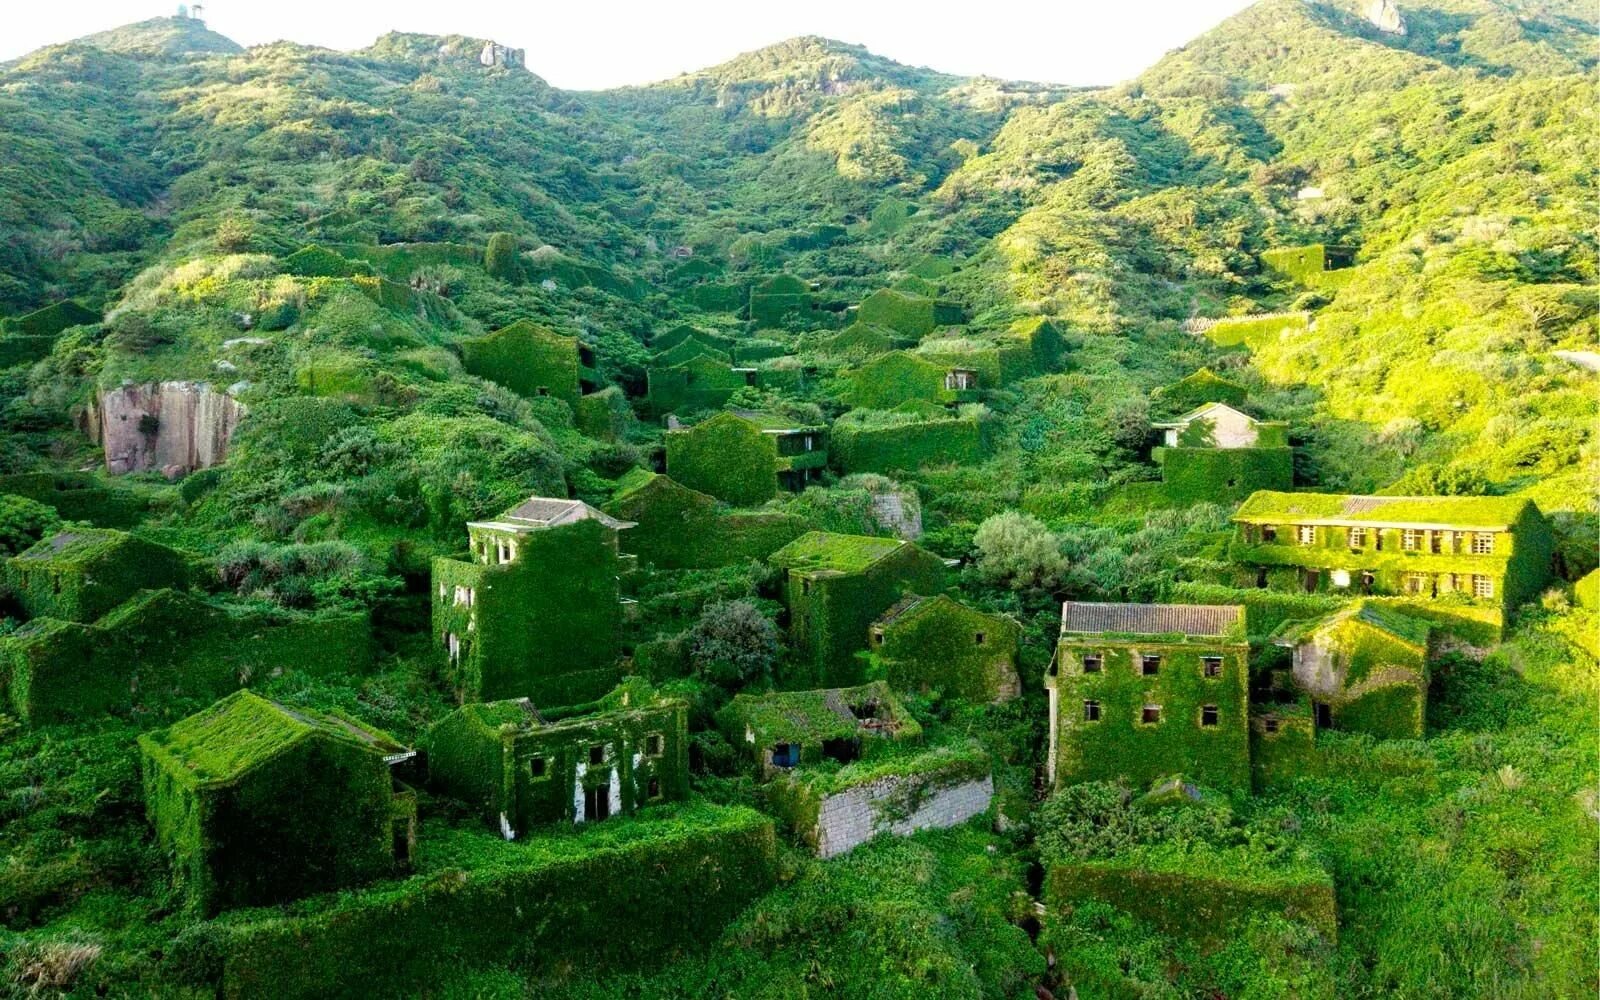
x=535 y=611
x=837 y=585
x=1143 y=691
x=533 y=361
x=1215 y=452
x=936 y=643
x=1364 y=669
x=744 y=457
x=258 y=803
x=1491 y=552
x=80 y=574
x=522 y=766
x=784 y=730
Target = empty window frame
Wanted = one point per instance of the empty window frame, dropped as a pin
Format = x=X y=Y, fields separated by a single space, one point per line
x=538 y=768
x=1269 y=724
x=1209 y=715
x=1150 y=715
x=1358 y=538
x=653 y=745
x=1150 y=664
x=652 y=789
x=597 y=754
x=1211 y=666
x=1092 y=663
x=1269 y=533
x=1091 y=711
x=978 y=638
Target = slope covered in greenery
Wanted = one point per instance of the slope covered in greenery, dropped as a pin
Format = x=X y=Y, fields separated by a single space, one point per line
x=317 y=233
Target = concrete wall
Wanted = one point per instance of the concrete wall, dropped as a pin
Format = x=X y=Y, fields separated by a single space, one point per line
x=854 y=816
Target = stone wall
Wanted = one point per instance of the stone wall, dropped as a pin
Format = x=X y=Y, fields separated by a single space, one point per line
x=173 y=427
x=854 y=816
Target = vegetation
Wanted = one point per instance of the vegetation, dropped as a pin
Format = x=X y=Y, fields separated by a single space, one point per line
x=436 y=288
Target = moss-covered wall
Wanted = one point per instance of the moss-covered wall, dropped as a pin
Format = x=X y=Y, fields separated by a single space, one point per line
x=1282 y=745
x=1204 y=899
x=494 y=769
x=50 y=320
x=829 y=613
x=899 y=377
x=1220 y=475
x=904 y=312
x=78 y=496
x=907 y=447
x=701 y=383
x=679 y=528
x=1298 y=263
x=535 y=910
x=163 y=644
x=310 y=818
x=544 y=626
x=727 y=457
x=1251 y=331
x=945 y=646
x=780 y=298
x=1196 y=390
x=1119 y=745
x=80 y=574
x=529 y=360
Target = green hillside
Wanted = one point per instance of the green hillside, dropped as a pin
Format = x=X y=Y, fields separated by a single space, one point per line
x=285 y=268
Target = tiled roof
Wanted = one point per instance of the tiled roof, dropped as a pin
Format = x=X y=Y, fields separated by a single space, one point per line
x=1200 y=411
x=549 y=512
x=1268 y=506
x=1150 y=619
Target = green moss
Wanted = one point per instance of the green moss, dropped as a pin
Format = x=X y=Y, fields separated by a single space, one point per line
x=679 y=528
x=864 y=444
x=1300 y=264
x=701 y=383
x=868 y=713
x=312 y=261
x=500 y=258
x=81 y=573
x=727 y=457
x=51 y=320
x=899 y=377
x=935 y=643
x=1196 y=390
x=1254 y=331
x=1191 y=475
x=528 y=359
x=78 y=496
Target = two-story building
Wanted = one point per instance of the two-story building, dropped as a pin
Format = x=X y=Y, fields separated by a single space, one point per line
x=1490 y=551
x=1142 y=691
x=1215 y=452
x=536 y=611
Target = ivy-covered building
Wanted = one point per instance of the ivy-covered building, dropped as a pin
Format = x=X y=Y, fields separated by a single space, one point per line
x=784 y=730
x=837 y=585
x=1215 y=452
x=1493 y=552
x=79 y=574
x=536 y=611
x=703 y=382
x=908 y=313
x=523 y=767
x=745 y=457
x=257 y=802
x=676 y=527
x=1365 y=669
x=889 y=380
x=1143 y=691
x=1198 y=389
x=937 y=643
x=532 y=361
x=781 y=298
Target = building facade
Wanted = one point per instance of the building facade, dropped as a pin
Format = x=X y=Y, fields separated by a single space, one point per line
x=1143 y=691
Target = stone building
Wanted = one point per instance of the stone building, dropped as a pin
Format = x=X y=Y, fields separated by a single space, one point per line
x=1493 y=552
x=536 y=610
x=784 y=730
x=533 y=361
x=1364 y=668
x=744 y=457
x=1215 y=452
x=80 y=574
x=258 y=802
x=837 y=585
x=924 y=643
x=1143 y=691
x=523 y=766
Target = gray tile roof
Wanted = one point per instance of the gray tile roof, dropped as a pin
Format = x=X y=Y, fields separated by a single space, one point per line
x=546 y=512
x=1150 y=619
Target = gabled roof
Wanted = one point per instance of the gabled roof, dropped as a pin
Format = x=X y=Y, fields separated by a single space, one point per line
x=243 y=730
x=828 y=552
x=821 y=714
x=912 y=606
x=773 y=423
x=75 y=545
x=1201 y=621
x=1371 y=614
x=1199 y=412
x=549 y=512
x=1462 y=513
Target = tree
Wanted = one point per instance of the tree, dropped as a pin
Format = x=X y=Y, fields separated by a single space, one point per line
x=23 y=522
x=733 y=643
x=1017 y=550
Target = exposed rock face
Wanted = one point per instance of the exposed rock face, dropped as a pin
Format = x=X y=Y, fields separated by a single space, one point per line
x=894 y=512
x=495 y=54
x=1385 y=16
x=852 y=817
x=176 y=427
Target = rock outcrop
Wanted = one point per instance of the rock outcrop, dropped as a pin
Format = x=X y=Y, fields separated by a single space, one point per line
x=175 y=427
x=495 y=54
x=1385 y=16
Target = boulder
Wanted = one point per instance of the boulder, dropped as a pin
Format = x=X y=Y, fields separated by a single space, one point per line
x=1385 y=16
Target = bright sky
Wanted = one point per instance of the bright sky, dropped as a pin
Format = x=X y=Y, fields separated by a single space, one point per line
x=605 y=43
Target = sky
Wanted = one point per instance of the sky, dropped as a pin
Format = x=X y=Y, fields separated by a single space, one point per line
x=607 y=43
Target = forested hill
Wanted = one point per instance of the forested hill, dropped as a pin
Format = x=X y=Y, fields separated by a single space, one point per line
x=273 y=274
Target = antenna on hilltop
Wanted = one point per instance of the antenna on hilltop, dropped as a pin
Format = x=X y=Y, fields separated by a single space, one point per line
x=196 y=11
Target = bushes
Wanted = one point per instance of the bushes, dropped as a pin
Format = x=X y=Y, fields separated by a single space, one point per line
x=733 y=644
x=862 y=443
x=534 y=907
x=23 y=522
x=1017 y=550
x=500 y=258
